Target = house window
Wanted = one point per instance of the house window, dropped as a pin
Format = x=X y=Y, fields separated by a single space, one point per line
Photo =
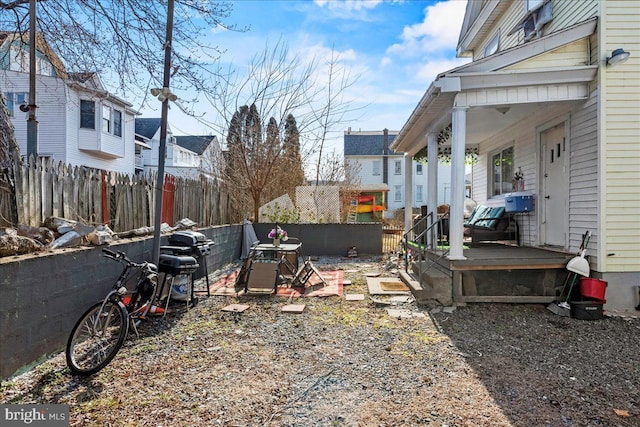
x=502 y=173
x=492 y=47
x=117 y=122
x=418 y=168
x=398 y=193
x=376 y=167
x=14 y=100
x=87 y=114
x=538 y=14
x=20 y=61
x=106 y=119
x=418 y=193
x=398 y=167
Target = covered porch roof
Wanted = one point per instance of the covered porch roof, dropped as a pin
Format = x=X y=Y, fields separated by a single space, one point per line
x=475 y=98
x=495 y=82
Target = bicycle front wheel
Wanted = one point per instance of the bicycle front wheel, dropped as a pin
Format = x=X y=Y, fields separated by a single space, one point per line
x=97 y=337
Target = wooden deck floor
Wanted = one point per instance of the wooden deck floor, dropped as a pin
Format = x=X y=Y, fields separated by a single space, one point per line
x=495 y=272
x=496 y=256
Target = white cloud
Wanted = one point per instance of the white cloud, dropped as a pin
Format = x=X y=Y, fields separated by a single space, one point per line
x=348 y=5
x=385 y=61
x=438 y=31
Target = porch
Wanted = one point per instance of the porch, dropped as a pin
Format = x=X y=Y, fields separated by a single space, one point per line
x=491 y=272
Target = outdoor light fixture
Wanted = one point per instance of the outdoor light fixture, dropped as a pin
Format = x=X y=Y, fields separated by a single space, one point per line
x=618 y=56
x=503 y=110
x=163 y=94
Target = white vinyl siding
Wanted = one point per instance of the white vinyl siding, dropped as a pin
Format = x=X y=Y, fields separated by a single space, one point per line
x=524 y=135
x=50 y=113
x=619 y=139
x=573 y=54
x=565 y=14
x=583 y=178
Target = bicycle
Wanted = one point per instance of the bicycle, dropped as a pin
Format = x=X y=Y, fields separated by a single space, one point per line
x=101 y=331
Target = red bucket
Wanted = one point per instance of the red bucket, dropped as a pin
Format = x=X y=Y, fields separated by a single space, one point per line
x=593 y=288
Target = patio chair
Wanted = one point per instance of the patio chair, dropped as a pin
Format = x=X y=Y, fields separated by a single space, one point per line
x=263 y=276
x=243 y=275
x=304 y=274
x=491 y=224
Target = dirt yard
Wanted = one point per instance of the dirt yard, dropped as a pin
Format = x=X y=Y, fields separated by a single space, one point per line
x=352 y=363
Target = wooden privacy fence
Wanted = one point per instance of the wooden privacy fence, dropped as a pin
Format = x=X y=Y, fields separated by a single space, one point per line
x=46 y=188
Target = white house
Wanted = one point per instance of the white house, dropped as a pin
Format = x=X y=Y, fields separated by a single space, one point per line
x=553 y=89
x=368 y=155
x=79 y=122
x=187 y=156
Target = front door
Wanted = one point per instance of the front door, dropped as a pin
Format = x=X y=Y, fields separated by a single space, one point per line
x=555 y=187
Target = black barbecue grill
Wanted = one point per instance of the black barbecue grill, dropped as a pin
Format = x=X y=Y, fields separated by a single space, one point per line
x=172 y=266
x=191 y=243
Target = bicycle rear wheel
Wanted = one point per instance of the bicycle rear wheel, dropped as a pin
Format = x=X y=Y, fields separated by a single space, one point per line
x=97 y=337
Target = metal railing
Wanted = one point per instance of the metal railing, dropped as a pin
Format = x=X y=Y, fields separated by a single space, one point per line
x=424 y=241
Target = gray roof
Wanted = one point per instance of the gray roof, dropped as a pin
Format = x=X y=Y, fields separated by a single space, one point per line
x=147 y=127
x=367 y=144
x=197 y=144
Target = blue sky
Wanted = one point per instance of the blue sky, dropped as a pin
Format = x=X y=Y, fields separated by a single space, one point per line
x=396 y=48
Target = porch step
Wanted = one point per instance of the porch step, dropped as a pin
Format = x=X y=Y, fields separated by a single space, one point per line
x=434 y=288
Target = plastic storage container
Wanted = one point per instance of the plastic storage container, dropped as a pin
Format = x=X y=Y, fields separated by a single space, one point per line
x=593 y=288
x=521 y=201
x=586 y=310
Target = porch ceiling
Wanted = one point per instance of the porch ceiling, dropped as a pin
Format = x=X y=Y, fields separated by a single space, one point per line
x=482 y=123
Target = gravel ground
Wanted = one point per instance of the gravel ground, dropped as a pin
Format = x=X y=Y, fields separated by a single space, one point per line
x=351 y=363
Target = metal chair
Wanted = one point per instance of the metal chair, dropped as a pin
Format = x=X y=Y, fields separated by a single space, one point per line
x=263 y=277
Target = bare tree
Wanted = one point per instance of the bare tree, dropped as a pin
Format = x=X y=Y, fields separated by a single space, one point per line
x=9 y=155
x=280 y=84
x=123 y=40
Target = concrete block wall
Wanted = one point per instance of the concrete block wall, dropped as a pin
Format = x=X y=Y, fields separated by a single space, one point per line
x=330 y=239
x=43 y=295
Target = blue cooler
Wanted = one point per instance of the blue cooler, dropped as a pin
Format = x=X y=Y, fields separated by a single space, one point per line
x=521 y=201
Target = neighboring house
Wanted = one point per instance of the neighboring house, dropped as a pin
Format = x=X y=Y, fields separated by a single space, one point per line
x=187 y=156
x=79 y=122
x=368 y=155
x=205 y=147
x=544 y=95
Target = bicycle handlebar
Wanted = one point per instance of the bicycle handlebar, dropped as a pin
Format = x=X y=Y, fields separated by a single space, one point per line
x=121 y=256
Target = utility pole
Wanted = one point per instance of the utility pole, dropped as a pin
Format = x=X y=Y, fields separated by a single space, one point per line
x=32 y=123
x=164 y=95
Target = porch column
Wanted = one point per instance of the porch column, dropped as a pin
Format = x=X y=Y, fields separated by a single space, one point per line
x=456 y=212
x=432 y=176
x=408 y=198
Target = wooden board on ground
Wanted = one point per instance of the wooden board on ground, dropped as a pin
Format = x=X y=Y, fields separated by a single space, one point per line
x=236 y=308
x=293 y=308
x=354 y=297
